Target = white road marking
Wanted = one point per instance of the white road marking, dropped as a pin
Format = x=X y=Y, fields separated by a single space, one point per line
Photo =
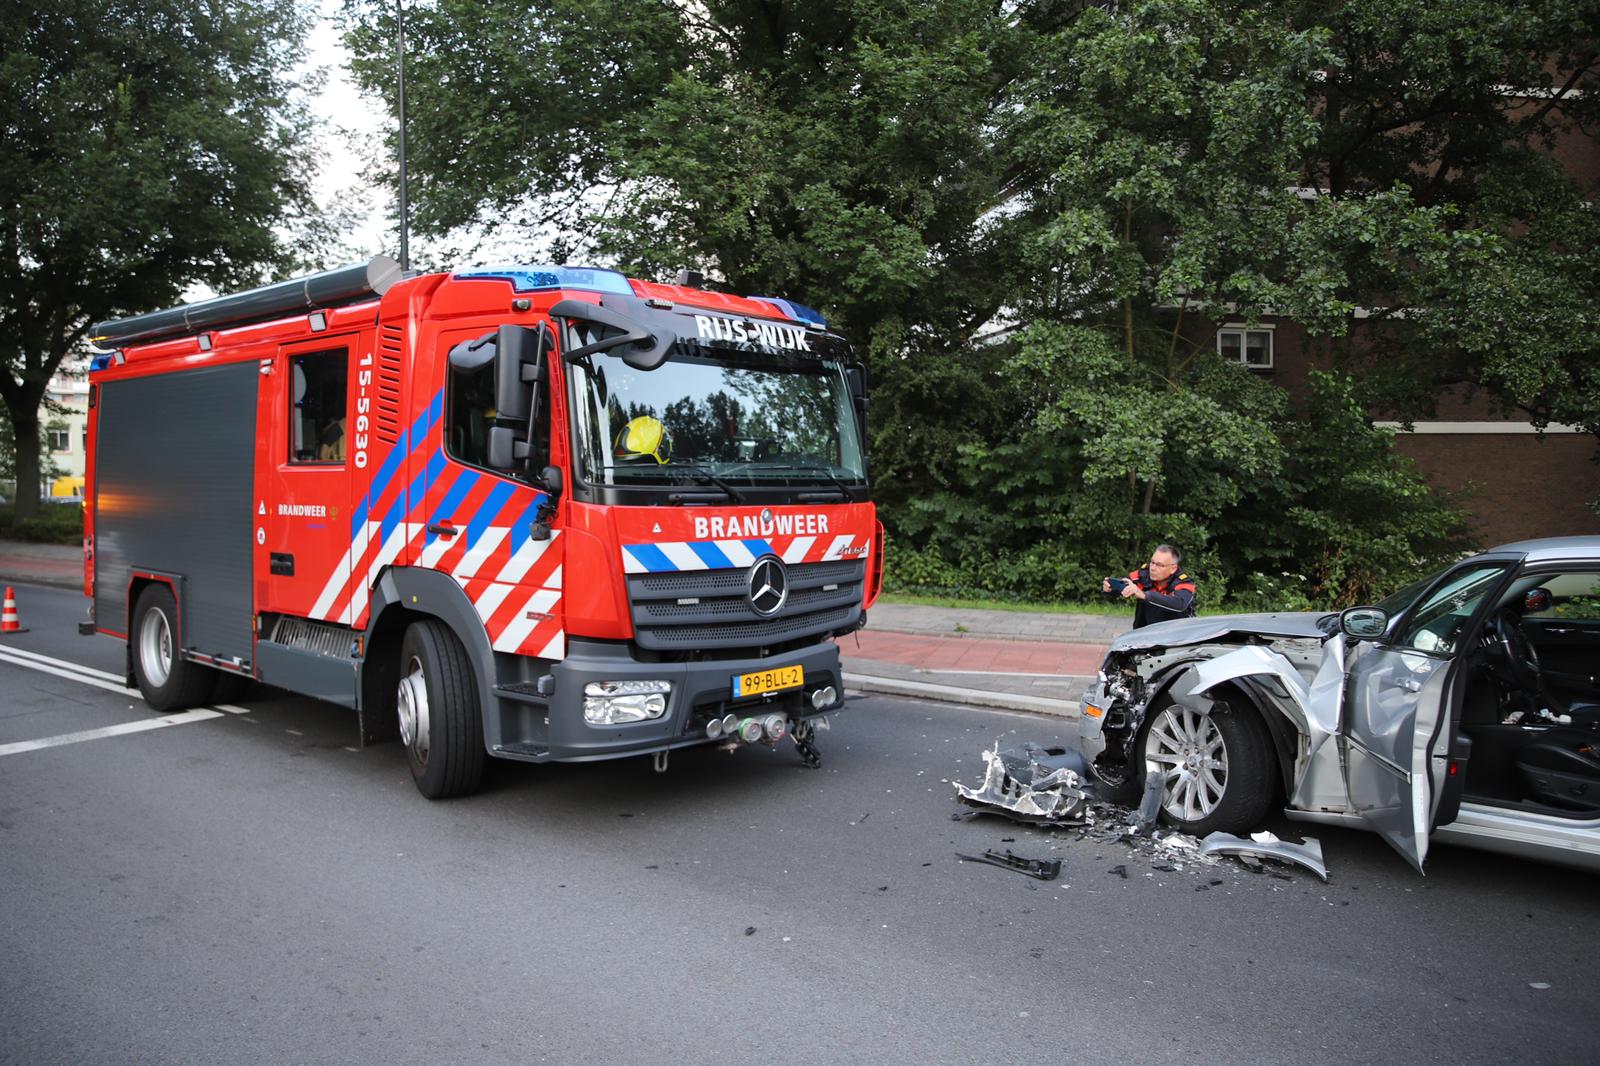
x=186 y=717
x=86 y=675
x=64 y=664
x=7 y=656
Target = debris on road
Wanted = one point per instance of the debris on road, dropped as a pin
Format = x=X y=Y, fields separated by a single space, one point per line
x=1033 y=785
x=1043 y=869
x=1266 y=845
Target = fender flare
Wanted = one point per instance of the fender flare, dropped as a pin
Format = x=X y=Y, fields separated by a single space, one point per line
x=428 y=592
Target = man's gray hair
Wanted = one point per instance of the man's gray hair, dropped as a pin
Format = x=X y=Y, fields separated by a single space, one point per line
x=1177 y=556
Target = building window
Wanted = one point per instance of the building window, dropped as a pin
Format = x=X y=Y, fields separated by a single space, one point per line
x=1252 y=347
x=316 y=431
x=60 y=440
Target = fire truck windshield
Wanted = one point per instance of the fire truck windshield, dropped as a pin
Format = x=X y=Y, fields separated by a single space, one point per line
x=717 y=418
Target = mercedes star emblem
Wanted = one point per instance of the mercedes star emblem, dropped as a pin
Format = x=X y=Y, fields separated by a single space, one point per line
x=768 y=586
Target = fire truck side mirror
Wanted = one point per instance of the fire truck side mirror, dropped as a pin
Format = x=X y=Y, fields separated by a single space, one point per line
x=641 y=349
x=507 y=451
x=516 y=348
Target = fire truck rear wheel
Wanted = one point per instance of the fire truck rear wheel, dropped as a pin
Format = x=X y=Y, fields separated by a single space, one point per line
x=166 y=680
x=441 y=725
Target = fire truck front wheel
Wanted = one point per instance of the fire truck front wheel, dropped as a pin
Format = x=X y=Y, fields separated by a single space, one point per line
x=166 y=680
x=440 y=721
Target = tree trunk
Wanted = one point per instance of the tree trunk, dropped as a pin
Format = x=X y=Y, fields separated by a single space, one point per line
x=26 y=428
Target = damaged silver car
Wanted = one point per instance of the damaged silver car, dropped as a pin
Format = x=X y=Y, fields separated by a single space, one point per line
x=1465 y=708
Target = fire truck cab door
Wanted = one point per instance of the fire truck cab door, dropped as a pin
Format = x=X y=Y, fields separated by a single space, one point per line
x=303 y=541
x=484 y=526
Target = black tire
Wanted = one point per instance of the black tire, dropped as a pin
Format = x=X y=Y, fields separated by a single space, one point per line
x=441 y=725
x=1198 y=799
x=167 y=681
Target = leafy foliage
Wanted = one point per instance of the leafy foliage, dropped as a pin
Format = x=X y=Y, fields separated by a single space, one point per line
x=143 y=147
x=1033 y=216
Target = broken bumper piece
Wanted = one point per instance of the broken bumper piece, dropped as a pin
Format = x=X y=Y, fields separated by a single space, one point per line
x=1043 y=869
x=1034 y=785
x=1267 y=846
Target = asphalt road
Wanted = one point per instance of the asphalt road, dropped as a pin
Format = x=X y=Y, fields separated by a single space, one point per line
x=248 y=886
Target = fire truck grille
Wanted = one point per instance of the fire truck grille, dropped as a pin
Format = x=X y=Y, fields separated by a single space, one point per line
x=709 y=608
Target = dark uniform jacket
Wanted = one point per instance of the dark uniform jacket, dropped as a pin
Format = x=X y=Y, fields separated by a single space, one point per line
x=1172 y=598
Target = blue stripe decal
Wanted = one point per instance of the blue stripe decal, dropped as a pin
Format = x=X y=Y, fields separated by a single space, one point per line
x=397 y=511
x=488 y=511
x=358 y=519
x=710 y=554
x=386 y=472
x=408 y=441
x=759 y=547
x=420 y=483
x=650 y=557
x=520 y=528
x=453 y=498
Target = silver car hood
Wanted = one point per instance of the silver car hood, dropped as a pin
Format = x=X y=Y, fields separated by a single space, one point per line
x=1182 y=631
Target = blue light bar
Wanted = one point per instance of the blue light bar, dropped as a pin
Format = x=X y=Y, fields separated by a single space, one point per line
x=536 y=278
x=798 y=312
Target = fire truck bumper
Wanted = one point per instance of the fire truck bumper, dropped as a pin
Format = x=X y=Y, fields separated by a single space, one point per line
x=696 y=693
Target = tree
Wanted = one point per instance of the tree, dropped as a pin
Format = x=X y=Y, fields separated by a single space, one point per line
x=143 y=147
x=1032 y=216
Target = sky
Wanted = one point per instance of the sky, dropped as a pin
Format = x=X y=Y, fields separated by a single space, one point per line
x=349 y=119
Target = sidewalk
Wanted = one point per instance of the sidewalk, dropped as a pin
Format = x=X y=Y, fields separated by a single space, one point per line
x=1011 y=660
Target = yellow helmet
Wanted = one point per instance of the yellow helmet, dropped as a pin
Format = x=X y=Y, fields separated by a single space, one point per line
x=644 y=436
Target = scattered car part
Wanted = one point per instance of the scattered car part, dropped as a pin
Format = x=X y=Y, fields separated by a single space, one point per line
x=1267 y=846
x=1043 y=869
x=1034 y=785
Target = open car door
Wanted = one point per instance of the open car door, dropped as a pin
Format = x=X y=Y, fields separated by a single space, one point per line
x=1394 y=737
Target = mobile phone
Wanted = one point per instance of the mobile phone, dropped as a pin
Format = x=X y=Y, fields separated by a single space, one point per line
x=1117 y=583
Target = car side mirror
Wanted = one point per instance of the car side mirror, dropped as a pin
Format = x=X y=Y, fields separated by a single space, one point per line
x=1364 y=623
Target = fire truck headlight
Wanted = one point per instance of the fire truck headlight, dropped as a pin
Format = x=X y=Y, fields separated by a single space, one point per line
x=617 y=702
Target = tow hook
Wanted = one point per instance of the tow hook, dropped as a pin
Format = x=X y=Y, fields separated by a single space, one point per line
x=804 y=735
x=661 y=761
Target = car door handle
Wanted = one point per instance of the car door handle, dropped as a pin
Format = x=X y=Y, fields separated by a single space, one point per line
x=1410 y=684
x=1565 y=631
x=442 y=529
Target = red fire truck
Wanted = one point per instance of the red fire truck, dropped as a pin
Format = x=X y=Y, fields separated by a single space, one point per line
x=533 y=512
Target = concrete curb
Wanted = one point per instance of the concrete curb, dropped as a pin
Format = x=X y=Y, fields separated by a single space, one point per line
x=72 y=583
x=894 y=686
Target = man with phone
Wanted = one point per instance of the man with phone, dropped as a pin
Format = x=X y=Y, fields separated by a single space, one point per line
x=1162 y=590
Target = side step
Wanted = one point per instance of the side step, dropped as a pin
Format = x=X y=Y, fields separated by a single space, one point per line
x=523 y=692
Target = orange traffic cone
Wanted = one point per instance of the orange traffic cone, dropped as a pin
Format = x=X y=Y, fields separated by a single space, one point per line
x=9 y=622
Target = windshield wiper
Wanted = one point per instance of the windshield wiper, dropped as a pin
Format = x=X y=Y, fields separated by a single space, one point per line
x=844 y=489
x=708 y=477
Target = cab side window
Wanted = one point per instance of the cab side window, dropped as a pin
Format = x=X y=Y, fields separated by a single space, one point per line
x=470 y=414
x=317 y=396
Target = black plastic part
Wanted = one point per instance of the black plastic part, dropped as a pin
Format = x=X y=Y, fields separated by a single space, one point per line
x=1043 y=869
x=86 y=629
x=282 y=564
x=1454 y=783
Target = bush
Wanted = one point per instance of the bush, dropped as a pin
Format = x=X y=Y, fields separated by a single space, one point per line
x=54 y=524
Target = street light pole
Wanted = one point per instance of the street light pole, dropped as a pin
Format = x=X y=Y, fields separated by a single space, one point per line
x=400 y=21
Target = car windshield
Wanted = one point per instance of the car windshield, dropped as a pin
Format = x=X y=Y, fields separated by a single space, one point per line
x=735 y=418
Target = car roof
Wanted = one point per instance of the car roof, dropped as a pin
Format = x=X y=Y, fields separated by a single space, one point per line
x=1553 y=549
